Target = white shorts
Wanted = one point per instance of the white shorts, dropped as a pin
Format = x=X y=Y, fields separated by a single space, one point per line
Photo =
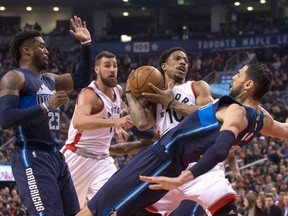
x=211 y=190
x=88 y=174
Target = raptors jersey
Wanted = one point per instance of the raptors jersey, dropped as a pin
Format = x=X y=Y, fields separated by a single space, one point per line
x=97 y=141
x=168 y=118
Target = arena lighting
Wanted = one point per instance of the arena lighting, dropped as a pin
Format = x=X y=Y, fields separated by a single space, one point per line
x=262 y=1
x=126 y=38
x=250 y=8
x=237 y=3
x=55 y=9
x=28 y=8
x=2 y=8
x=125 y=14
x=125 y=0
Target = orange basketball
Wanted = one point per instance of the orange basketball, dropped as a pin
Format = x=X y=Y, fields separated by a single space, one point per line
x=138 y=80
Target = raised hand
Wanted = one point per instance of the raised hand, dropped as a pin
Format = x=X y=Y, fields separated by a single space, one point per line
x=80 y=31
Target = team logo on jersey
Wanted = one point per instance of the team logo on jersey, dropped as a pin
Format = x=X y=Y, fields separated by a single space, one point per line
x=43 y=94
x=44 y=90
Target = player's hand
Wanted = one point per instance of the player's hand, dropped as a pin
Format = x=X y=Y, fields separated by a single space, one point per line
x=162 y=182
x=122 y=134
x=79 y=31
x=124 y=122
x=58 y=99
x=163 y=97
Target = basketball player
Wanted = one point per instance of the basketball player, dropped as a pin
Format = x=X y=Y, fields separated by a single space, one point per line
x=95 y=120
x=29 y=102
x=206 y=136
x=185 y=97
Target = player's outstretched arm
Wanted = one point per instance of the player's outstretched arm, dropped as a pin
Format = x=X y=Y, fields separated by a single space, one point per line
x=233 y=119
x=272 y=127
x=82 y=75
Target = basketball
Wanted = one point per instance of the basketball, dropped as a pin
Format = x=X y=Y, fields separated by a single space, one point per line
x=138 y=80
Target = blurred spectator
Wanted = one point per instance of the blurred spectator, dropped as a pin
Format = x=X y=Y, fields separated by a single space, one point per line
x=259 y=206
x=270 y=208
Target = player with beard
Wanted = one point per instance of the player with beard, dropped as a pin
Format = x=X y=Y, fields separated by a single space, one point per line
x=29 y=102
x=95 y=120
x=206 y=136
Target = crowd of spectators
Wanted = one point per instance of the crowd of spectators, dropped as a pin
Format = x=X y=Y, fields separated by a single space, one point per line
x=266 y=179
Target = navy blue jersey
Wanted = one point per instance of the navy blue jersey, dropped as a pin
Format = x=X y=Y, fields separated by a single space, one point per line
x=40 y=171
x=197 y=132
x=126 y=194
x=45 y=129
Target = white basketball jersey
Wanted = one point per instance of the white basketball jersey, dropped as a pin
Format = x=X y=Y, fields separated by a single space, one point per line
x=97 y=141
x=168 y=118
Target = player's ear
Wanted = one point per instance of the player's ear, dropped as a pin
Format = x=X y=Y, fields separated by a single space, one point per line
x=96 y=68
x=26 y=50
x=249 y=84
x=163 y=66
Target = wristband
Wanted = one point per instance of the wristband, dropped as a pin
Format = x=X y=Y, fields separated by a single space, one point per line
x=128 y=91
x=47 y=105
x=86 y=42
x=124 y=112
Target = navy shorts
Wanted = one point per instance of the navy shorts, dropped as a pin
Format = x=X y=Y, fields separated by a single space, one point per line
x=125 y=193
x=44 y=182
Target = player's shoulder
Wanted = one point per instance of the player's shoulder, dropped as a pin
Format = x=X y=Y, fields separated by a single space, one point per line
x=199 y=84
x=13 y=76
x=120 y=89
x=12 y=80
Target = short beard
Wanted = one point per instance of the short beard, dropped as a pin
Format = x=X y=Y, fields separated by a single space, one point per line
x=38 y=63
x=236 y=92
x=109 y=82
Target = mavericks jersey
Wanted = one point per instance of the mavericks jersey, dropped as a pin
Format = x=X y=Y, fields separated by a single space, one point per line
x=198 y=131
x=167 y=118
x=43 y=131
x=97 y=141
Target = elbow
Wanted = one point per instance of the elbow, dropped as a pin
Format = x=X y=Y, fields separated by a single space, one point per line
x=77 y=125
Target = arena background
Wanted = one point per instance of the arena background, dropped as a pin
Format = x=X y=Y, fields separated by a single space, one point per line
x=219 y=37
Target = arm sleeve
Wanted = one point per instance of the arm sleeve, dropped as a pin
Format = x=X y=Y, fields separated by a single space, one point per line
x=11 y=115
x=82 y=75
x=215 y=154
